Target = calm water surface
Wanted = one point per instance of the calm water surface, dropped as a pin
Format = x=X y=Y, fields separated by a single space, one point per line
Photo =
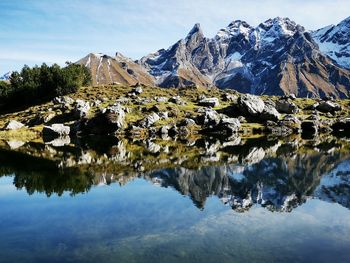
x=268 y=202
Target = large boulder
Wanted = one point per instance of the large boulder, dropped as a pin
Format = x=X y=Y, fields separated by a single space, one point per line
x=118 y=113
x=250 y=104
x=82 y=108
x=286 y=106
x=149 y=120
x=63 y=101
x=270 y=113
x=229 y=125
x=226 y=126
x=209 y=102
x=56 y=130
x=14 y=125
x=108 y=121
x=208 y=117
x=328 y=106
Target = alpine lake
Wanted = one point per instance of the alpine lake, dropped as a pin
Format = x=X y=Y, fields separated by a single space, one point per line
x=173 y=200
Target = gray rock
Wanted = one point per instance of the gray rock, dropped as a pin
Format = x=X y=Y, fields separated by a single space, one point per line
x=250 y=104
x=138 y=90
x=56 y=130
x=82 y=108
x=110 y=120
x=63 y=101
x=149 y=120
x=209 y=117
x=286 y=106
x=229 y=97
x=270 y=113
x=164 y=115
x=14 y=125
x=177 y=100
x=41 y=118
x=161 y=99
x=230 y=125
x=209 y=102
x=187 y=122
x=14 y=144
x=328 y=106
x=164 y=130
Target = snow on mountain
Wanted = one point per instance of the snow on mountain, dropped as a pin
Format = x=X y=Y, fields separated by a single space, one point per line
x=335 y=186
x=334 y=40
x=275 y=58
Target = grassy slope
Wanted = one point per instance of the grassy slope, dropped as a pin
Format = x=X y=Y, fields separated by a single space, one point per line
x=109 y=94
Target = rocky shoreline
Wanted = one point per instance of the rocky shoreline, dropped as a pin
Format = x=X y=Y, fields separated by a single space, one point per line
x=145 y=112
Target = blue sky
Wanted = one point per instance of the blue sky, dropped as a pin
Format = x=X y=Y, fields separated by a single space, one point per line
x=36 y=31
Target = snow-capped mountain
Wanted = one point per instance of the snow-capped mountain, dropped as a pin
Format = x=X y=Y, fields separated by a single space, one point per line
x=334 y=40
x=275 y=58
x=334 y=186
x=6 y=76
x=177 y=66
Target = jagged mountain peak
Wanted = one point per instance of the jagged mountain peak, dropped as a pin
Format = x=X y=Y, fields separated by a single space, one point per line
x=195 y=29
x=195 y=35
x=335 y=42
x=279 y=27
x=235 y=28
x=277 y=57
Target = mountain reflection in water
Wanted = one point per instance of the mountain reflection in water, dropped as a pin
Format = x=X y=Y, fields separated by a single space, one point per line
x=275 y=174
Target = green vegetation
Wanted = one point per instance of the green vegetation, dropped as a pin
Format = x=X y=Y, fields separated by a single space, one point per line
x=40 y=84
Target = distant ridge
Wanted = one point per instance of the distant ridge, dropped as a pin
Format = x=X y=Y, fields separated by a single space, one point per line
x=275 y=58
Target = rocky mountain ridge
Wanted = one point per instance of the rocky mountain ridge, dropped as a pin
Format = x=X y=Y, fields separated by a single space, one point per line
x=277 y=57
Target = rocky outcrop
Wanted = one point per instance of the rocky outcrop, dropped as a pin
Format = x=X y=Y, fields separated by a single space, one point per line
x=286 y=106
x=328 y=106
x=56 y=130
x=108 y=121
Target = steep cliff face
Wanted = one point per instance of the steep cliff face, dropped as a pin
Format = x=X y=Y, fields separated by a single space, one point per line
x=334 y=40
x=275 y=58
x=174 y=67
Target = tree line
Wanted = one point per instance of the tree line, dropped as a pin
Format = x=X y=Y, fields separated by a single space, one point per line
x=38 y=84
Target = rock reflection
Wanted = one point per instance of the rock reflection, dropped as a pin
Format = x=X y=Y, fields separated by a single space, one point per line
x=278 y=175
